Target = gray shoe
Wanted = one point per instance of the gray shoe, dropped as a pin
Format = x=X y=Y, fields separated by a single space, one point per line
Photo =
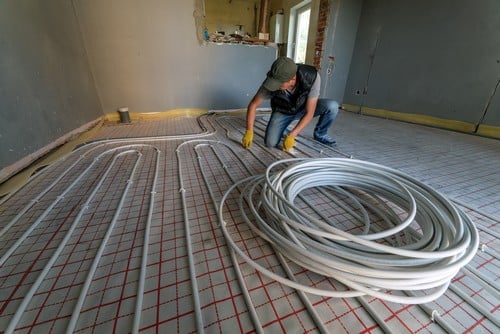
x=325 y=139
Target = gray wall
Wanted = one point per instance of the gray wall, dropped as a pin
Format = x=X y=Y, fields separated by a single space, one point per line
x=146 y=55
x=438 y=58
x=339 y=43
x=46 y=87
x=66 y=63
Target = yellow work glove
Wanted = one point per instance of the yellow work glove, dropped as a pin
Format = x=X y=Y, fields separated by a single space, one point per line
x=288 y=143
x=247 y=139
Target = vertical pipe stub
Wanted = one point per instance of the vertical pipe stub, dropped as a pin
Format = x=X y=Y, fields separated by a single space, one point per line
x=124 y=116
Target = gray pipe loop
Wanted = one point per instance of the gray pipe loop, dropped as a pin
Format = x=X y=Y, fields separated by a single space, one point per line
x=286 y=201
x=437 y=239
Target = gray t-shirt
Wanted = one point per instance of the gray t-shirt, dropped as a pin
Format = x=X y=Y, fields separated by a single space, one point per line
x=266 y=94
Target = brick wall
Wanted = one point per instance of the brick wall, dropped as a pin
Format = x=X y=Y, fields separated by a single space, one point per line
x=324 y=10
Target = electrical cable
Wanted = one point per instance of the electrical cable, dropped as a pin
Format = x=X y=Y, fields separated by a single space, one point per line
x=412 y=238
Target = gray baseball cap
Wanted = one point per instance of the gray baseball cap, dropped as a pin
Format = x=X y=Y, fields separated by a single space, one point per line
x=282 y=70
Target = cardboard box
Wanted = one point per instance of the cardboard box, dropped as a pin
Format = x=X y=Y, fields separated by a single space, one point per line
x=264 y=36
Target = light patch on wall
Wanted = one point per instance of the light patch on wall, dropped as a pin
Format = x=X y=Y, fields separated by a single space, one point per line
x=199 y=20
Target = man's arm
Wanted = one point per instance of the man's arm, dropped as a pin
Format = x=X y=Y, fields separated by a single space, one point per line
x=308 y=116
x=247 y=139
x=252 y=110
x=312 y=101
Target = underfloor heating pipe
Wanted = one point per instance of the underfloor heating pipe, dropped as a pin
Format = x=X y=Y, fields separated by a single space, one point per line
x=170 y=137
x=435 y=317
x=29 y=295
x=458 y=236
x=99 y=143
x=9 y=252
x=95 y=262
x=228 y=123
x=305 y=300
x=307 y=303
x=239 y=275
x=145 y=249
x=192 y=271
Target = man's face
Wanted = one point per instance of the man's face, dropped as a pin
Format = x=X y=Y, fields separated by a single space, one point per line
x=289 y=84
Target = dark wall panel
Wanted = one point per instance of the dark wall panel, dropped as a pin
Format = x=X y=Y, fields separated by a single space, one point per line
x=435 y=58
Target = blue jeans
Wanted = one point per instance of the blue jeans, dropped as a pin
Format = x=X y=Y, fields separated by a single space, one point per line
x=326 y=109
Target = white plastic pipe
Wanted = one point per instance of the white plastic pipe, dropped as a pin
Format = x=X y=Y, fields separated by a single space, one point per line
x=317 y=245
x=29 y=295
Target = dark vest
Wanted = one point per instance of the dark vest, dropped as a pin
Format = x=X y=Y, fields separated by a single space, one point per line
x=290 y=105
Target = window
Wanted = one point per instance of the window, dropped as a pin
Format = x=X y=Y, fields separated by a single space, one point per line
x=298 y=31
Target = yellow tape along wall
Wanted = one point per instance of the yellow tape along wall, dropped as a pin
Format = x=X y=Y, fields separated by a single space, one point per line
x=16 y=175
x=19 y=173
x=191 y=112
x=482 y=129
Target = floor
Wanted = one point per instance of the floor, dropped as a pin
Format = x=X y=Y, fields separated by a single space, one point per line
x=127 y=233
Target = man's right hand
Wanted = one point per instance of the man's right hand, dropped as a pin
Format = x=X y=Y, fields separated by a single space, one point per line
x=247 y=139
x=288 y=143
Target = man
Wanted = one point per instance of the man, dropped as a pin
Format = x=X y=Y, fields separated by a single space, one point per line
x=294 y=93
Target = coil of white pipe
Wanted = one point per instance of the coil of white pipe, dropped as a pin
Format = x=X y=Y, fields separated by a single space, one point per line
x=419 y=242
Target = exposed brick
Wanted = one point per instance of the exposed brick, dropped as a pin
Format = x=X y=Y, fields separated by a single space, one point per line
x=324 y=8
